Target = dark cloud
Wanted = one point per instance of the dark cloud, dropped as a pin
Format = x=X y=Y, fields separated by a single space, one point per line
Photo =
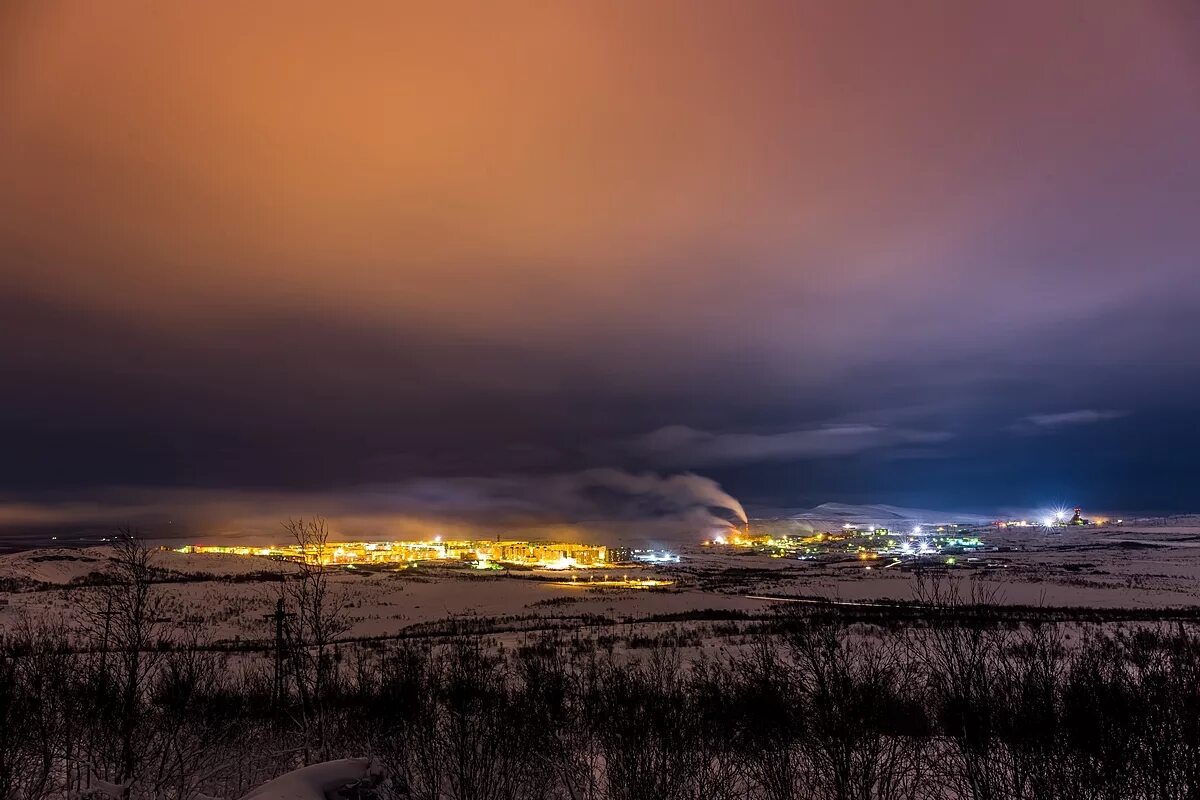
x=819 y=251
x=681 y=446
x=637 y=506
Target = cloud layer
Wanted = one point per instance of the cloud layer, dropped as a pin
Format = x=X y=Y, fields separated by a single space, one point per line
x=681 y=446
x=385 y=244
x=1044 y=423
x=636 y=506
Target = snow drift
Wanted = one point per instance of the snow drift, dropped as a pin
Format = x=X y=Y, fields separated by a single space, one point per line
x=317 y=781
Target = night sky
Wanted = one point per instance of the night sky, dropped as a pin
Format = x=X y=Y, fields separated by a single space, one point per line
x=399 y=263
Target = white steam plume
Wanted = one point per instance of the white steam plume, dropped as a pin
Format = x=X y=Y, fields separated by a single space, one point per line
x=596 y=500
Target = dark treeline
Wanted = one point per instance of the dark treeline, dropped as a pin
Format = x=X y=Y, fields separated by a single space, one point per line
x=824 y=708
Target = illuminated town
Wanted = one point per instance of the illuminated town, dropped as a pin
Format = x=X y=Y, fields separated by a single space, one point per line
x=864 y=542
x=1057 y=519
x=478 y=553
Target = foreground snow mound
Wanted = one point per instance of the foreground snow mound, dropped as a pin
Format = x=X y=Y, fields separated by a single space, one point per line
x=328 y=781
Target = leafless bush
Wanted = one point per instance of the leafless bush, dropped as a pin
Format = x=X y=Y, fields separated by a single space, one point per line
x=865 y=729
x=648 y=729
x=953 y=703
x=38 y=706
x=314 y=615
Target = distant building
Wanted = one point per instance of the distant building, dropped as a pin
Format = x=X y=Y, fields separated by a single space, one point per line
x=620 y=555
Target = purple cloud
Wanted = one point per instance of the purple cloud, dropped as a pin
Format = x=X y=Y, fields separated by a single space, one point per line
x=682 y=446
x=1066 y=419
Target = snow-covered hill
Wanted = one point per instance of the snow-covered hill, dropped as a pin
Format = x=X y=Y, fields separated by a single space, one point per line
x=838 y=514
x=62 y=565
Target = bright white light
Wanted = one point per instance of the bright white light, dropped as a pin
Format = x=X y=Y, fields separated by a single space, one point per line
x=437 y=538
x=916 y=530
x=657 y=558
x=1048 y=522
x=1059 y=514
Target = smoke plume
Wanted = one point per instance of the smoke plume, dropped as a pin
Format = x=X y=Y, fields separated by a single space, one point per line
x=606 y=503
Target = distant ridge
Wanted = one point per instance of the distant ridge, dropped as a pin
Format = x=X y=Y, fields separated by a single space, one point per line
x=882 y=514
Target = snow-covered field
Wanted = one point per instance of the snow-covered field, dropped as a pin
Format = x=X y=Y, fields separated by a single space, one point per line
x=717 y=608
x=1146 y=566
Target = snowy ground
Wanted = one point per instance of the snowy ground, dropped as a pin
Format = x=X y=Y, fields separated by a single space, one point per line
x=229 y=597
x=1075 y=567
x=315 y=782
